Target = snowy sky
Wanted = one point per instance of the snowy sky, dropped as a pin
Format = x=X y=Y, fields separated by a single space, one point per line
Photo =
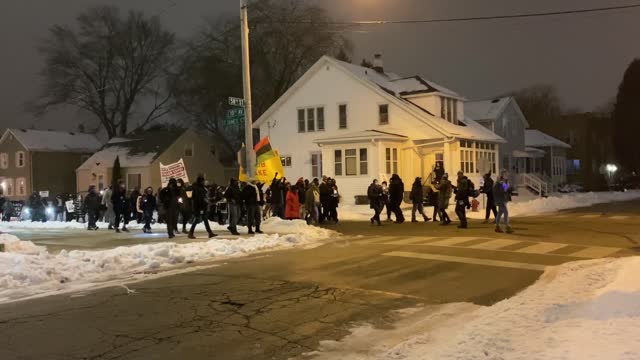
x=584 y=56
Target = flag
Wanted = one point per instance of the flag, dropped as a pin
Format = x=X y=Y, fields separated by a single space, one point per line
x=242 y=177
x=268 y=162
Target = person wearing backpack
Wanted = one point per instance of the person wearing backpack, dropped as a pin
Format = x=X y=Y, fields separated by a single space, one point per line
x=462 y=199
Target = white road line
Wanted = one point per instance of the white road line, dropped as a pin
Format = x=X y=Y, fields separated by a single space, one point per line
x=412 y=240
x=453 y=241
x=619 y=217
x=494 y=244
x=591 y=216
x=541 y=248
x=466 y=260
x=595 y=252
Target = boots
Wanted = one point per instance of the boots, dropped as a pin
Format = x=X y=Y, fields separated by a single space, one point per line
x=426 y=218
x=212 y=235
x=191 y=236
x=184 y=229
x=509 y=230
x=250 y=232
x=498 y=229
x=258 y=231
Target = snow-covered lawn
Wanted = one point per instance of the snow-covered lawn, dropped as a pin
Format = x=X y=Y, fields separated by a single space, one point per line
x=518 y=207
x=28 y=270
x=579 y=310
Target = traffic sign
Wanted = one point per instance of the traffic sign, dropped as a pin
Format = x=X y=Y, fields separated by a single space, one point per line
x=234 y=101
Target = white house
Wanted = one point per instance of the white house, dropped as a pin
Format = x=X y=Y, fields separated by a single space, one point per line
x=355 y=124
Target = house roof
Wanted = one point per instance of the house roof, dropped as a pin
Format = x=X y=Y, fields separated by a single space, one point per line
x=536 y=138
x=366 y=135
x=134 y=150
x=391 y=86
x=490 y=109
x=54 y=141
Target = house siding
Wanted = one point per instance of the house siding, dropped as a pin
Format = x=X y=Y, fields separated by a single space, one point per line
x=510 y=126
x=55 y=171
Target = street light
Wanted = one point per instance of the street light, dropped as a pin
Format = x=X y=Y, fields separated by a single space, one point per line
x=611 y=170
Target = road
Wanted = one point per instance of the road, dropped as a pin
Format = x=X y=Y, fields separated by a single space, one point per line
x=282 y=304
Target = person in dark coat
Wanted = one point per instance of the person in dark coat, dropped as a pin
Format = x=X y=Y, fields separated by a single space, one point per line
x=92 y=204
x=396 y=194
x=444 y=196
x=462 y=199
x=502 y=193
x=252 y=196
x=58 y=207
x=432 y=195
x=121 y=206
x=169 y=197
x=487 y=189
x=200 y=205
x=37 y=208
x=334 y=200
x=148 y=205
x=234 y=203
x=438 y=172
x=162 y=214
x=133 y=205
x=374 y=193
x=417 y=199
x=277 y=197
x=325 y=198
x=186 y=208
x=385 y=199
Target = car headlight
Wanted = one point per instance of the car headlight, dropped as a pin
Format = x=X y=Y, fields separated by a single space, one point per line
x=49 y=210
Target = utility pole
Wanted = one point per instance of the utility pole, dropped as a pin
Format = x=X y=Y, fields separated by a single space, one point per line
x=246 y=74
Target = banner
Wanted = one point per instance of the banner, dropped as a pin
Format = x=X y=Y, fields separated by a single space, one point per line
x=268 y=162
x=71 y=207
x=176 y=170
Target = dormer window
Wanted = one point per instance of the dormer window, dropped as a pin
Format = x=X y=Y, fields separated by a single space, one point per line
x=449 y=109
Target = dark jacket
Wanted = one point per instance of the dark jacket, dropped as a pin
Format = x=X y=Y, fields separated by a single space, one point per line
x=462 y=189
x=417 y=193
x=396 y=191
x=325 y=193
x=487 y=187
x=374 y=193
x=92 y=202
x=119 y=199
x=444 y=193
x=250 y=195
x=233 y=194
x=199 y=197
x=277 y=192
x=148 y=203
x=501 y=193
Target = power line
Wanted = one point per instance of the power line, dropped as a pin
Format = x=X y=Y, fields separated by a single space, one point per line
x=475 y=18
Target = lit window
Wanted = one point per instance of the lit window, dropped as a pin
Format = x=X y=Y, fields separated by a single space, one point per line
x=383 y=111
x=8 y=186
x=391 y=160
x=21 y=186
x=20 y=159
x=286 y=161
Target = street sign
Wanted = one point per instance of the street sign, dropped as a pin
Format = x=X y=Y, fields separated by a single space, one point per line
x=235 y=113
x=234 y=101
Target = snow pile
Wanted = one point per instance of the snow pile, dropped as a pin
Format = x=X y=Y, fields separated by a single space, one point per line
x=579 y=310
x=516 y=208
x=27 y=270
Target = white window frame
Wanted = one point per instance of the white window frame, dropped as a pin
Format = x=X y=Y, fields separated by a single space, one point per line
x=129 y=185
x=316 y=169
x=388 y=120
x=392 y=155
x=338 y=162
x=472 y=152
x=4 y=160
x=346 y=116
x=304 y=122
x=363 y=162
x=24 y=159
x=18 y=190
x=353 y=157
x=287 y=160
x=189 y=147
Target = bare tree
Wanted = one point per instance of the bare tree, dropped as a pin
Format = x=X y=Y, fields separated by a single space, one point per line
x=540 y=104
x=111 y=66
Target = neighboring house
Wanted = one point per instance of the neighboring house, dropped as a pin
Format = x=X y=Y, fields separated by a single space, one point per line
x=36 y=160
x=140 y=156
x=553 y=164
x=355 y=124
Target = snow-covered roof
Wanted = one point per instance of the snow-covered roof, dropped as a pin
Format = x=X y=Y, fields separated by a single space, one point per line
x=54 y=141
x=491 y=109
x=136 y=150
x=536 y=138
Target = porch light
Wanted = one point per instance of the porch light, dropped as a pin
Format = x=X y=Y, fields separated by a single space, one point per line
x=611 y=168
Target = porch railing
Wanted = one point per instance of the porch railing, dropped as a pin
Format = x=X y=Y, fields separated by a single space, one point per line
x=535 y=183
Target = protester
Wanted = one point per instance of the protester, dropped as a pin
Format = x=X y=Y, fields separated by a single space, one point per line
x=121 y=206
x=487 y=189
x=325 y=198
x=385 y=200
x=92 y=206
x=199 y=201
x=396 y=195
x=312 y=202
x=134 y=197
x=334 y=200
x=185 y=205
x=253 y=198
x=70 y=208
x=502 y=195
x=462 y=199
x=169 y=197
x=292 y=210
x=58 y=207
x=444 y=196
x=277 y=200
x=162 y=213
x=148 y=205
x=37 y=208
x=7 y=210
x=432 y=196
x=107 y=202
x=417 y=199
x=234 y=202
x=374 y=193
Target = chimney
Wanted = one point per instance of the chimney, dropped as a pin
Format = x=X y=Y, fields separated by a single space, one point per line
x=378 y=64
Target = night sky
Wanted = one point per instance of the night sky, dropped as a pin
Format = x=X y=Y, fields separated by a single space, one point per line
x=584 y=56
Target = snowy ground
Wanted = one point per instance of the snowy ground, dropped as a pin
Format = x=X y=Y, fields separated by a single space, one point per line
x=579 y=310
x=525 y=206
x=28 y=270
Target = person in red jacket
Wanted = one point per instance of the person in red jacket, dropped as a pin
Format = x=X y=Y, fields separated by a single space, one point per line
x=292 y=210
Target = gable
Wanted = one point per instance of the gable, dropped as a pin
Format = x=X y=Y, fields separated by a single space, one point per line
x=9 y=143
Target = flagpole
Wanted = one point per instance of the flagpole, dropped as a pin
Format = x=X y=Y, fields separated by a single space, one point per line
x=246 y=74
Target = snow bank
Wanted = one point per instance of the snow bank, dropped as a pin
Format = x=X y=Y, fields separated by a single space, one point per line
x=27 y=270
x=516 y=208
x=579 y=310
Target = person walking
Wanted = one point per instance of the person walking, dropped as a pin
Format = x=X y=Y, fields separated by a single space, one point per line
x=277 y=197
x=234 y=202
x=487 y=189
x=185 y=205
x=312 y=202
x=133 y=205
x=92 y=206
x=199 y=201
x=462 y=199
x=444 y=196
x=325 y=198
x=396 y=195
x=148 y=205
x=432 y=196
x=502 y=195
x=169 y=197
x=121 y=206
x=109 y=215
x=253 y=197
x=385 y=200
x=417 y=199
x=374 y=193
x=334 y=200
x=58 y=207
x=292 y=210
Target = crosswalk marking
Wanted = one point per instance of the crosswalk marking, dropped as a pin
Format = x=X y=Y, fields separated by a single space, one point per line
x=495 y=244
x=467 y=260
x=541 y=248
x=591 y=216
x=619 y=217
x=594 y=252
x=452 y=241
x=410 y=241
